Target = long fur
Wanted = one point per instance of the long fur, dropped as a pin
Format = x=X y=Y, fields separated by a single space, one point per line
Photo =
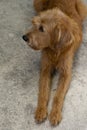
x=57 y=31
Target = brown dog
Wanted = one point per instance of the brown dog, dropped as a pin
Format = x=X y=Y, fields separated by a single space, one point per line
x=57 y=31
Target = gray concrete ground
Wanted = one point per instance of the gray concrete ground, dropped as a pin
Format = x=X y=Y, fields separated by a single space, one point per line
x=19 y=74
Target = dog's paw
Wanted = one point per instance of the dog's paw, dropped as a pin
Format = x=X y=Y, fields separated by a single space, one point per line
x=40 y=114
x=55 y=117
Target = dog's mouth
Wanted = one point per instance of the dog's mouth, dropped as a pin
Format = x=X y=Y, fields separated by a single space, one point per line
x=30 y=42
x=33 y=46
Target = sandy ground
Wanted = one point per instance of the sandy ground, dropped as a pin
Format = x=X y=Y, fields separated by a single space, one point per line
x=19 y=74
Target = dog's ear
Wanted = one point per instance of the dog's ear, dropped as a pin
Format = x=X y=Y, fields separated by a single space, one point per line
x=64 y=37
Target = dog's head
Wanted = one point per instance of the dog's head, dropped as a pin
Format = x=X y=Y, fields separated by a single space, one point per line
x=51 y=29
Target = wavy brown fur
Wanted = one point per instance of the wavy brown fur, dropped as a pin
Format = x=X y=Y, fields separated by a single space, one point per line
x=57 y=31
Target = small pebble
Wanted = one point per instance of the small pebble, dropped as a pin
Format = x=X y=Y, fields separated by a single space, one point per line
x=11 y=35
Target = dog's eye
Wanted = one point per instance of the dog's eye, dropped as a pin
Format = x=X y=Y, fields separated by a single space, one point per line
x=41 y=29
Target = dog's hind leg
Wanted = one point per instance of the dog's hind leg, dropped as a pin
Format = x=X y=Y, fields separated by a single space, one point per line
x=81 y=9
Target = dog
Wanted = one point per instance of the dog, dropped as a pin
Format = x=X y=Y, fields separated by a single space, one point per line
x=57 y=32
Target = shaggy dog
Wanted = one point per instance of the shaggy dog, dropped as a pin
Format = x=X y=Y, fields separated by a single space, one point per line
x=57 y=31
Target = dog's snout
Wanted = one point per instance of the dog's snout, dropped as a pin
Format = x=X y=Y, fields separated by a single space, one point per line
x=25 y=38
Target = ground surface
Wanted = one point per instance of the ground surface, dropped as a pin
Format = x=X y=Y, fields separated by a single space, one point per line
x=19 y=74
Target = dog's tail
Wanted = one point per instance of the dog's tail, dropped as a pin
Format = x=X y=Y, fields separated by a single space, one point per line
x=81 y=9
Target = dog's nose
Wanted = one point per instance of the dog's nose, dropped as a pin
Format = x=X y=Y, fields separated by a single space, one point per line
x=25 y=38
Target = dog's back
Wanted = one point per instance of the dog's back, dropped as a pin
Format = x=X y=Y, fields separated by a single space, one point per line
x=75 y=9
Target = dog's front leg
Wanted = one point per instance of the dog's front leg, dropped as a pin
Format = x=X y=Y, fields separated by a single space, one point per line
x=63 y=85
x=44 y=91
